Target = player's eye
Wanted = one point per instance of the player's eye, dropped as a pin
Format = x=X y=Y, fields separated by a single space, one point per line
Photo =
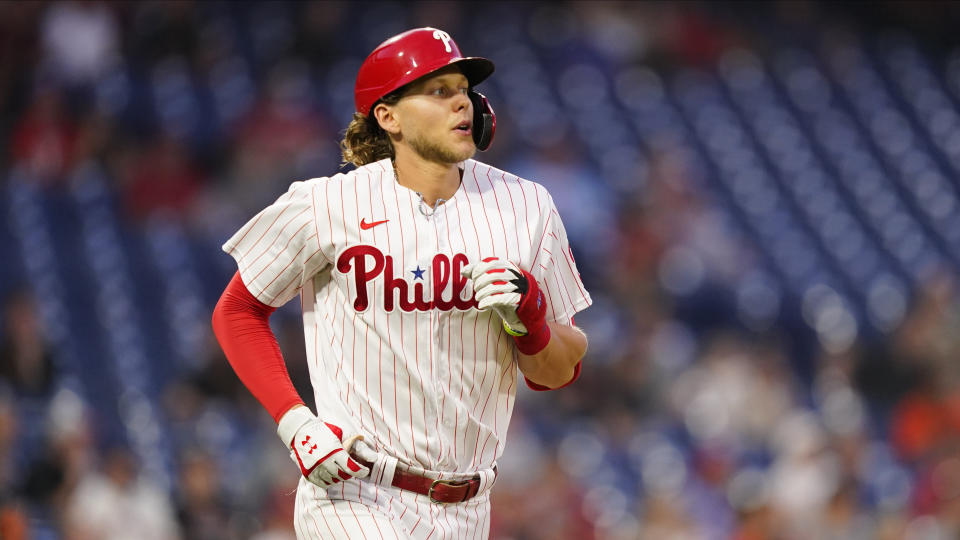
x=439 y=91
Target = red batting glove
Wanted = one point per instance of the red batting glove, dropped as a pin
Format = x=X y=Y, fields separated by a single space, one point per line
x=516 y=296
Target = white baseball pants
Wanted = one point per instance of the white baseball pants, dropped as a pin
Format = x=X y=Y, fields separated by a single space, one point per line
x=361 y=509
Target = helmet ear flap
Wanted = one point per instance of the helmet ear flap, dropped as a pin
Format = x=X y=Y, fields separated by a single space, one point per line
x=484 y=120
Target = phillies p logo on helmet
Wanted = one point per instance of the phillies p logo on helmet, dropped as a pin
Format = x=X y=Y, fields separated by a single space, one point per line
x=445 y=38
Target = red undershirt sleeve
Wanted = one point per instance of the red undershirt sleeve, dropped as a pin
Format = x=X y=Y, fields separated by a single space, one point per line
x=241 y=325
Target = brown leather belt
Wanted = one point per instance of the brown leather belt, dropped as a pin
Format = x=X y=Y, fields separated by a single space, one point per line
x=439 y=491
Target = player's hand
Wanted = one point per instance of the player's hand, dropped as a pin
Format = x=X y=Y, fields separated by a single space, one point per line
x=512 y=292
x=317 y=448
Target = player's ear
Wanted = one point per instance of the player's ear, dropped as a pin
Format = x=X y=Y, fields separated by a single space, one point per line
x=386 y=116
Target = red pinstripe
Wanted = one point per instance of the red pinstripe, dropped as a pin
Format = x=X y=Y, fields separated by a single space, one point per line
x=550 y=303
x=316 y=225
x=486 y=370
x=396 y=533
x=437 y=405
x=396 y=408
x=342 y=526
x=537 y=256
x=416 y=333
x=316 y=527
x=526 y=217
x=463 y=316
x=480 y=194
x=508 y=396
x=330 y=216
x=513 y=207
x=263 y=289
x=507 y=368
x=419 y=515
x=473 y=222
x=449 y=320
x=503 y=226
x=432 y=314
x=442 y=524
x=279 y=237
x=281 y=252
x=573 y=272
x=253 y=225
x=364 y=345
x=478 y=532
x=403 y=263
x=293 y=280
x=476 y=448
x=565 y=296
x=343 y=335
x=457 y=510
x=359 y=526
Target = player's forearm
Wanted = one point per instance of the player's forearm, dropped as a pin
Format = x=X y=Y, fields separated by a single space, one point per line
x=554 y=365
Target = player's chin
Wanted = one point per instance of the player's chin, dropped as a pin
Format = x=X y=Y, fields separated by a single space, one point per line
x=468 y=153
x=464 y=149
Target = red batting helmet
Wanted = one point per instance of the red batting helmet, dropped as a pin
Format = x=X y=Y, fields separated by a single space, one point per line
x=408 y=56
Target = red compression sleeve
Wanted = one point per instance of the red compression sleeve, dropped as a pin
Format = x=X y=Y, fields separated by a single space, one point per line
x=240 y=322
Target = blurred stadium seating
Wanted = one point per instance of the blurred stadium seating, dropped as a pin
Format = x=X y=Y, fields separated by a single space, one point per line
x=763 y=201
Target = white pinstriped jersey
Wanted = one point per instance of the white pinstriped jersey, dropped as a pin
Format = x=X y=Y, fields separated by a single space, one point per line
x=397 y=350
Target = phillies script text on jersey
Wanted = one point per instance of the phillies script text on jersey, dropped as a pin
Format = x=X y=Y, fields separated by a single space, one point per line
x=368 y=262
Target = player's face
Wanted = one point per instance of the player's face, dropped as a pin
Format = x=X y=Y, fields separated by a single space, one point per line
x=436 y=117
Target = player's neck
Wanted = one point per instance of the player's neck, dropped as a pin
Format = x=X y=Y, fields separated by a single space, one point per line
x=430 y=179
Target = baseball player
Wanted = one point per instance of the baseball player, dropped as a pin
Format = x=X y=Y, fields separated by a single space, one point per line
x=426 y=280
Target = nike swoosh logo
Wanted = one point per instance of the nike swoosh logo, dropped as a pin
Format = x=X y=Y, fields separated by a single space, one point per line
x=364 y=225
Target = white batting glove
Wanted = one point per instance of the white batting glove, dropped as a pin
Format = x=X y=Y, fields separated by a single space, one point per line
x=317 y=448
x=503 y=286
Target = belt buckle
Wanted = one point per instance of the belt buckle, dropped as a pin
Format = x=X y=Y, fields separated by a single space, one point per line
x=433 y=484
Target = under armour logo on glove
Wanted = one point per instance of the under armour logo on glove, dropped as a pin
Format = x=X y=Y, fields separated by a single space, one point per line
x=320 y=453
x=306 y=442
x=516 y=297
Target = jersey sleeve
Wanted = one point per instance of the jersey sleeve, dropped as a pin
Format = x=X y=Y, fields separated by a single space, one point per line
x=279 y=249
x=556 y=271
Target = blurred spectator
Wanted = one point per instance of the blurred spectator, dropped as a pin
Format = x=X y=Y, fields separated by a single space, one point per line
x=81 y=39
x=116 y=502
x=8 y=438
x=55 y=465
x=26 y=358
x=550 y=511
x=666 y=517
x=161 y=178
x=14 y=523
x=44 y=140
x=277 y=515
x=201 y=510
x=18 y=57
x=282 y=139
x=576 y=192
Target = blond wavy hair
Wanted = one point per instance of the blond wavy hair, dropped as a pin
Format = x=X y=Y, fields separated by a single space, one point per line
x=364 y=141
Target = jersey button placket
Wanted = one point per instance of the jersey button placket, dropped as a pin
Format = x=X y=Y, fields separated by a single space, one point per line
x=442 y=362
x=432 y=337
